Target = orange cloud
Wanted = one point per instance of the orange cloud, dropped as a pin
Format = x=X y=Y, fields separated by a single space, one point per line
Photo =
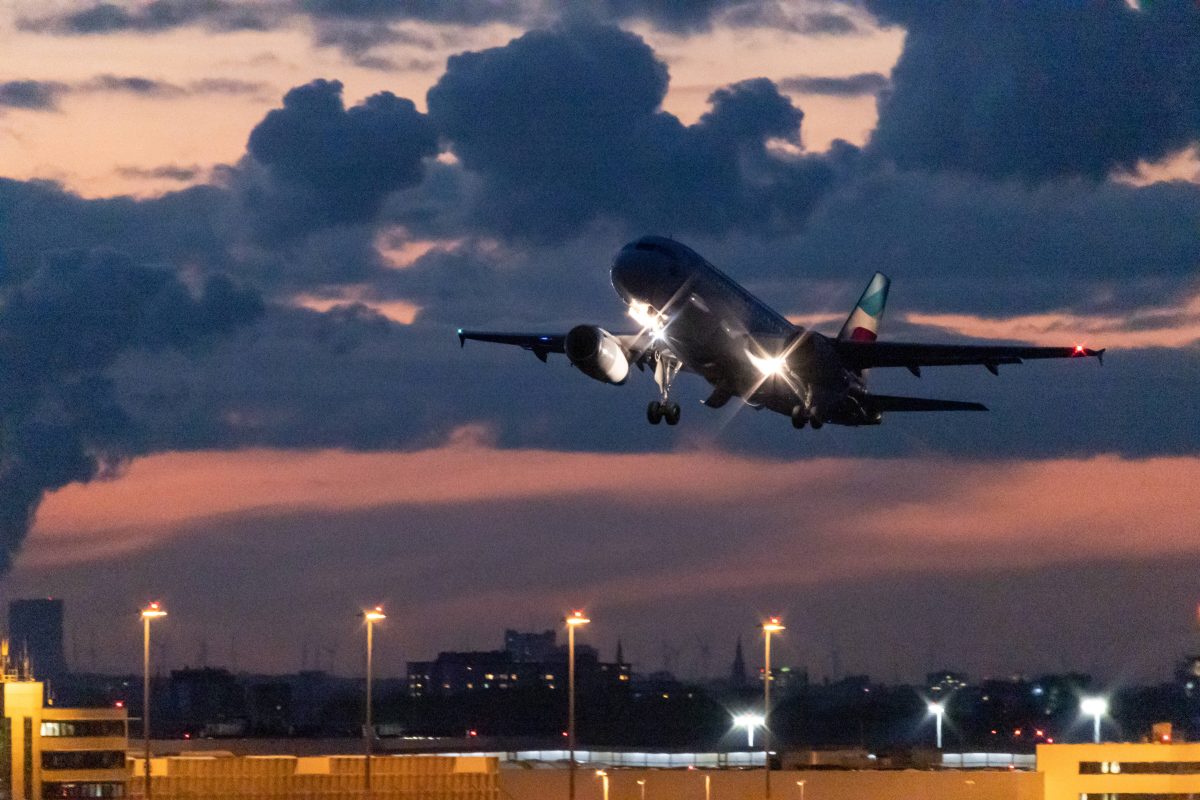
x=1155 y=327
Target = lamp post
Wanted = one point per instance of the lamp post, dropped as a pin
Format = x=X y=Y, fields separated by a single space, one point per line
x=801 y=785
x=642 y=789
x=574 y=620
x=707 y=787
x=772 y=625
x=371 y=616
x=1094 y=707
x=153 y=611
x=938 y=710
x=749 y=722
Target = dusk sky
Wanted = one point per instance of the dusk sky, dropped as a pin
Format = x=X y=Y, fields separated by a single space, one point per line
x=236 y=240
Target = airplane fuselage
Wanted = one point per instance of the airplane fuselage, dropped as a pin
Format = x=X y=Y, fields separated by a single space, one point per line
x=725 y=334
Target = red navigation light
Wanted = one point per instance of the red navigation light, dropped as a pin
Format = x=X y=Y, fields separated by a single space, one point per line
x=1050 y=740
x=1079 y=349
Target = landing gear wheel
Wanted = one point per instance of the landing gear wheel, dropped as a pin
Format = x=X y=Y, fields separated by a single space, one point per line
x=799 y=418
x=654 y=413
x=671 y=413
x=817 y=422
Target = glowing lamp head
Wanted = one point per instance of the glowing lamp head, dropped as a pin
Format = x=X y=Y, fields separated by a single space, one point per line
x=577 y=618
x=773 y=625
x=1094 y=706
x=601 y=773
x=374 y=614
x=749 y=721
x=937 y=709
x=154 y=611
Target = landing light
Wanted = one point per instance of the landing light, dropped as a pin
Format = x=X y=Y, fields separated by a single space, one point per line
x=769 y=365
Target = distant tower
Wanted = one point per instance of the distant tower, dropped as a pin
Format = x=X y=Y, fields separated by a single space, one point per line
x=620 y=653
x=35 y=628
x=737 y=675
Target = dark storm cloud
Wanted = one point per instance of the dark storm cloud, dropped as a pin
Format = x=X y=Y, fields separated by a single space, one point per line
x=154 y=17
x=60 y=331
x=1040 y=90
x=597 y=144
x=857 y=85
x=457 y=12
x=32 y=95
x=325 y=164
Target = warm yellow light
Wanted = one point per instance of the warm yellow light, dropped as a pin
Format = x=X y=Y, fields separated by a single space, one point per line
x=374 y=614
x=577 y=618
x=153 y=611
x=773 y=625
x=601 y=773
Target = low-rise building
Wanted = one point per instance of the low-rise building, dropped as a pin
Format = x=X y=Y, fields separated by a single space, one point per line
x=53 y=753
x=1110 y=770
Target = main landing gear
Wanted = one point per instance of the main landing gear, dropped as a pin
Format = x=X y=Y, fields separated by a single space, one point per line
x=666 y=367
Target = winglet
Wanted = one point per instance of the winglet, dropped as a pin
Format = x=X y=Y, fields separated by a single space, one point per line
x=1100 y=355
x=462 y=338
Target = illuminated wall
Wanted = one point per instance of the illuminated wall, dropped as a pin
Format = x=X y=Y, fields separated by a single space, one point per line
x=1117 y=771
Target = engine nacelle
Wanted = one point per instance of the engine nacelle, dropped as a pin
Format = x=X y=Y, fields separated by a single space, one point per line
x=597 y=354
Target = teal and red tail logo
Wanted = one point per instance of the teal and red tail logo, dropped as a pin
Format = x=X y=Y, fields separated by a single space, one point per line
x=863 y=322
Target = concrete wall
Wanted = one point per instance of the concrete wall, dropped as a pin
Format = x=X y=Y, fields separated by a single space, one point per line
x=551 y=784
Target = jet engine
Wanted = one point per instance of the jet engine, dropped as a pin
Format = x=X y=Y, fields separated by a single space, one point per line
x=597 y=354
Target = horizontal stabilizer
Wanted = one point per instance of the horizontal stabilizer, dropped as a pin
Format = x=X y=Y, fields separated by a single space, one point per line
x=884 y=402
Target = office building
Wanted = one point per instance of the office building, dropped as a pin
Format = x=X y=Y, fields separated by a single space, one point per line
x=52 y=753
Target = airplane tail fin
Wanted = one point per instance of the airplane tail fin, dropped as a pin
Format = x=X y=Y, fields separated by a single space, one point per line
x=863 y=323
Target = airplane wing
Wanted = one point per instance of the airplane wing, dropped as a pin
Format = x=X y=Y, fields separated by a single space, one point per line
x=884 y=402
x=541 y=344
x=866 y=355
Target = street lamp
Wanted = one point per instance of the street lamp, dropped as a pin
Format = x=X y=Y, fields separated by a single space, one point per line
x=1094 y=707
x=801 y=785
x=642 y=788
x=371 y=616
x=152 y=611
x=772 y=625
x=938 y=710
x=749 y=722
x=603 y=776
x=574 y=620
x=707 y=786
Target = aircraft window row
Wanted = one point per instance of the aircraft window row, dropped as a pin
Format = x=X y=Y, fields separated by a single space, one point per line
x=1139 y=767
x=83 y=727
x=83 y=759
x=82 y=791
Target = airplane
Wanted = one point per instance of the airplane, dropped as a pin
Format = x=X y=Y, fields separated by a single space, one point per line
x=696 y=318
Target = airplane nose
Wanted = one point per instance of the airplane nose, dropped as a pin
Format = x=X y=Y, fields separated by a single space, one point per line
x=633 y=274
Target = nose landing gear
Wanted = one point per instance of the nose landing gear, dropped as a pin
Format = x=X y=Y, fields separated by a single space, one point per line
x=657 y=411
x=666 y=367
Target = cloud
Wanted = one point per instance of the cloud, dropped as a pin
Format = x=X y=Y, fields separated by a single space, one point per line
x=61 y=330
x=32 y=95
x=597 y=144
x=1040 y=90
x=324 y=164
x=170 y=172
x=857 y=85
x=154 y=17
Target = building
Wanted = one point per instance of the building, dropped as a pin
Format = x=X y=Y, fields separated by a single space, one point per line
x=52 y=753
x=35 y=629
x=514 y=667
x=1101 y=771
x=527 y=648
x=326 y=777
